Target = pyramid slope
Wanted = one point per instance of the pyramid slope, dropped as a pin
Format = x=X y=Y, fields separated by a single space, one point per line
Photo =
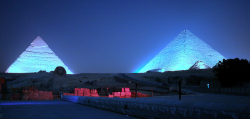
x=182 y=53
x=38 y=56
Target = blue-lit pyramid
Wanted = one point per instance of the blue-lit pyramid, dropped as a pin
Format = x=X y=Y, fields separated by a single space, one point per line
x=182 y=53
x=38 y=56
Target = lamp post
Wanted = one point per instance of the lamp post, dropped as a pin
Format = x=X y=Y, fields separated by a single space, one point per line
x=152 y=91
x=179 y=90
x=136 y=90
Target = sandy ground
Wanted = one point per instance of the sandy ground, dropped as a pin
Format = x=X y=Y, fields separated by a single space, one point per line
x=69 y=82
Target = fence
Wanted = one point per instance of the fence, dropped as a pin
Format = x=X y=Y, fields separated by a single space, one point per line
x=230 y=91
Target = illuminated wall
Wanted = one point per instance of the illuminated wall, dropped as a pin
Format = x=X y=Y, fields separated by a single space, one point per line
x=38 y=56
x=182 y=53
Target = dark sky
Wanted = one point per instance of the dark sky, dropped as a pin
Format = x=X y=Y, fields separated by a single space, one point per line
x=111 y=36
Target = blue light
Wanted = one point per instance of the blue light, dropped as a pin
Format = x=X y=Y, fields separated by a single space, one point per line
x=137 y=70
x=182 y=53
x=38 y=56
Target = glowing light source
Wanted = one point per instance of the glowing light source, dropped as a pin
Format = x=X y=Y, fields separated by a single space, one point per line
x=182 y=53
x=38 y=56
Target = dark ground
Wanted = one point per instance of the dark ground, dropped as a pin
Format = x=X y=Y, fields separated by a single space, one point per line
x=54 y=109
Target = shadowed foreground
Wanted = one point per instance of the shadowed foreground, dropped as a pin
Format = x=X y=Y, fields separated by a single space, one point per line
x=54 y=109
x=199 y=106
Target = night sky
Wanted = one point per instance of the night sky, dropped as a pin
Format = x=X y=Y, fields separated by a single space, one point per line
x=104 y=36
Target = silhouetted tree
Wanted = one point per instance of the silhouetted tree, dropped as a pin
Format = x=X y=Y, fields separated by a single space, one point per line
x=232 y=71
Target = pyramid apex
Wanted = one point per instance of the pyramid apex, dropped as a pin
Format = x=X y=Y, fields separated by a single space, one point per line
x=38 y=42
x=186 y=32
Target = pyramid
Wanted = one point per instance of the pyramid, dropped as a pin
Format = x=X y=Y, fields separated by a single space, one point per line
x=182 y=53
x=199 y=65
x=38 y=56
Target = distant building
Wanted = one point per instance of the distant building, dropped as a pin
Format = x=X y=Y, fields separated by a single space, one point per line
x=42 y=71
x=155 y=70
x=210 y=84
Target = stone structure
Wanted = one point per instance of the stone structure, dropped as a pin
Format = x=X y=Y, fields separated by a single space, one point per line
x=38 y=56
x=60 y=71
x=199 y=65
x=182 y=53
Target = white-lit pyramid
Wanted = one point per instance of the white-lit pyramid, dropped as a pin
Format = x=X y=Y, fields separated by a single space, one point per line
x=38 y=56
x=199 y=65
x=182 y=53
